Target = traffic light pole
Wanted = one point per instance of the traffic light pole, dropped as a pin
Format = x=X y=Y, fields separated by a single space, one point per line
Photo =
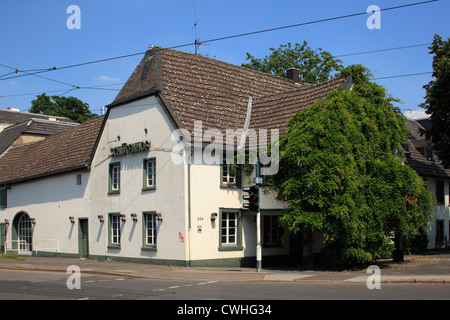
x=258 y=229
x=258 y=242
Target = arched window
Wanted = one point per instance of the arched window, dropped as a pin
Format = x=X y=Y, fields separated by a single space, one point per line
x=25 y=234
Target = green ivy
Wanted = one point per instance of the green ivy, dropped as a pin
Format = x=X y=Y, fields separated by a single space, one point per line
x=342 y=173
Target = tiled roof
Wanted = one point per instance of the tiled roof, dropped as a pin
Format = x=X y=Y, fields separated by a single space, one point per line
x=193 y=88
x=197 y=88
x=38 y=127
x=417 y=155
x=15 y=117
x=69 y=150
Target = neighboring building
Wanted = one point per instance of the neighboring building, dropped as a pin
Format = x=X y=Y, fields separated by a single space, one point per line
x=12 y=116
x=114 y=187
x=22 y=127
x=420 y=157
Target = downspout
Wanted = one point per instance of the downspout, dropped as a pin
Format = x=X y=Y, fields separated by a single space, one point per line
x=189 y=212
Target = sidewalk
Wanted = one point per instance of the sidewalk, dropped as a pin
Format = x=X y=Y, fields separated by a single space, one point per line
x=429 y=268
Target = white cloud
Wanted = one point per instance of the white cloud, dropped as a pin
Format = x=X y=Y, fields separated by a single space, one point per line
x=108 y=78
x=416 y=114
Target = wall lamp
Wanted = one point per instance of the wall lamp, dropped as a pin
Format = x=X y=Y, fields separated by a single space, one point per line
x=123 y=218
x=134 y=217
x=101 y=218
x=7 y=221
x=72 y=219
x=33 y=220
x=213 y=216
x=159 y=217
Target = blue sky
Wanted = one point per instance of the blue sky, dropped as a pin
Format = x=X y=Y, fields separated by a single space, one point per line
x=34 y=35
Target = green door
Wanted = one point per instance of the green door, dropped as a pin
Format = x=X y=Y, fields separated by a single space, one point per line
x=83 y=238
x=2 y=237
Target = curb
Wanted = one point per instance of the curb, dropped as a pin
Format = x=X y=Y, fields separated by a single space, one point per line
x=266 y=277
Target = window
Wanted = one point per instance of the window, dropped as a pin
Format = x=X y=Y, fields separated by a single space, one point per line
x=440 y=191
x=440 y=241
x=3 y=196
x=114 y=178
x=78 y=179
x=229 y=223
x=230 y=230
x=25 y=234
x=114 y=227
x=272 y=231
x=149 y=174
x=150 y=230
x=230 y=175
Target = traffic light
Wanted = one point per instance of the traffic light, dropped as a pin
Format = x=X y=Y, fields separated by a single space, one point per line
x=252 y=198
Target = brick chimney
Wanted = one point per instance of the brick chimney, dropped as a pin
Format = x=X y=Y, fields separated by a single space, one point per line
x=292 y=74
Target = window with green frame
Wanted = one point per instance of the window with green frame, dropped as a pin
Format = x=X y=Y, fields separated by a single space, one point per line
x=3 y=197
x=230 y=234
x=149 y=230
x=114 y=178
x=114 y=230
x=149 y=176
x=230 y=175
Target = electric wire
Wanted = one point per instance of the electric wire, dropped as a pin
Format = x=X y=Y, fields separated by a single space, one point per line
x=222 y=38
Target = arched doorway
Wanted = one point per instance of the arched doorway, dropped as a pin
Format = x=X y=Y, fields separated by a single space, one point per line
x=23 y=233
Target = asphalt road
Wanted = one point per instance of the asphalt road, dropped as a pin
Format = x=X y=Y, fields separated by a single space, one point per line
x=37 y=285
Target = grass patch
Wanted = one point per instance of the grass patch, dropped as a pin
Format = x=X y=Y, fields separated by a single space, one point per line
x=11 y=256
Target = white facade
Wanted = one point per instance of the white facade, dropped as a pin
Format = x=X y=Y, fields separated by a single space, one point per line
x=109 y=212
x=439 y=226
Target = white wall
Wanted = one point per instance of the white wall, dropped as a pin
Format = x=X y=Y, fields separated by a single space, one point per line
x=50 y=202
x=129 y=123
x=441 y=212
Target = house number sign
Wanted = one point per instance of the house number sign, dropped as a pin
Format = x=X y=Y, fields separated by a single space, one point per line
x=126 y=148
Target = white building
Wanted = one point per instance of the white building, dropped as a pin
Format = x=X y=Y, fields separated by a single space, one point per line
x=114 y=187
x=425 y=162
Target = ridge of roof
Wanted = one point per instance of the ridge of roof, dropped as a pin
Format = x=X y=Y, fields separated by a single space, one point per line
x=55 y=154
x=15 y=117
x=417 y=160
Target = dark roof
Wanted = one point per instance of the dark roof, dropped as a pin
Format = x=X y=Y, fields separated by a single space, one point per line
x=70 y=150
x=37 y=127
x=419 y=156
x=15 y=117
x=197 y=88
x=193 y=88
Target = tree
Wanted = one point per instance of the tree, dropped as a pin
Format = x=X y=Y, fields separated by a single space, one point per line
x=437 y=100
x=314 y=66
x=69 y=107
x=341 y=171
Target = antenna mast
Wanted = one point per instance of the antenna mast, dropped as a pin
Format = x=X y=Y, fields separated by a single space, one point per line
x=196 y=41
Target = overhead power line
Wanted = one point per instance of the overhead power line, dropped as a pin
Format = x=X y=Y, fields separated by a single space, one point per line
x=402 y=75
x=220 y=39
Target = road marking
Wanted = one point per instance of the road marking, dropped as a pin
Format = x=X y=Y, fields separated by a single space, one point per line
x=173 y=287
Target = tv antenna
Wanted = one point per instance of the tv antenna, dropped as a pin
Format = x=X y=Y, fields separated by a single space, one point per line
x=197 y=42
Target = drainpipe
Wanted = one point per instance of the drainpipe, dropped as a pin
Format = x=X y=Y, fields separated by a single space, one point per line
x=189 y=212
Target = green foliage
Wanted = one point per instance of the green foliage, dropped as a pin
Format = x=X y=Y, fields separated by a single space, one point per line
x=314 y=66
x=437 y=99
x=68 y=107
x=341 y=170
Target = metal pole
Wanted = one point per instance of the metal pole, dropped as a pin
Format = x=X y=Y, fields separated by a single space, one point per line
x=258 y=228
x=258 y=242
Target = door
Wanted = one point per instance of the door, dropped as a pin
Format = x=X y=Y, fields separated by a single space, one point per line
x=25 y=235
x=83 y=238
x=2 y=236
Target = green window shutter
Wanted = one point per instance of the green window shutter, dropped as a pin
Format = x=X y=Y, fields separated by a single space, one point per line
x=3 y=198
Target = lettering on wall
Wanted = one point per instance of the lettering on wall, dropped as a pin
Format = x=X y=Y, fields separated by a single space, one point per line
x=126 y=148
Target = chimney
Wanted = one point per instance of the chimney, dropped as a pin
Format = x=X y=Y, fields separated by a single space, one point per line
x=292 y=74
